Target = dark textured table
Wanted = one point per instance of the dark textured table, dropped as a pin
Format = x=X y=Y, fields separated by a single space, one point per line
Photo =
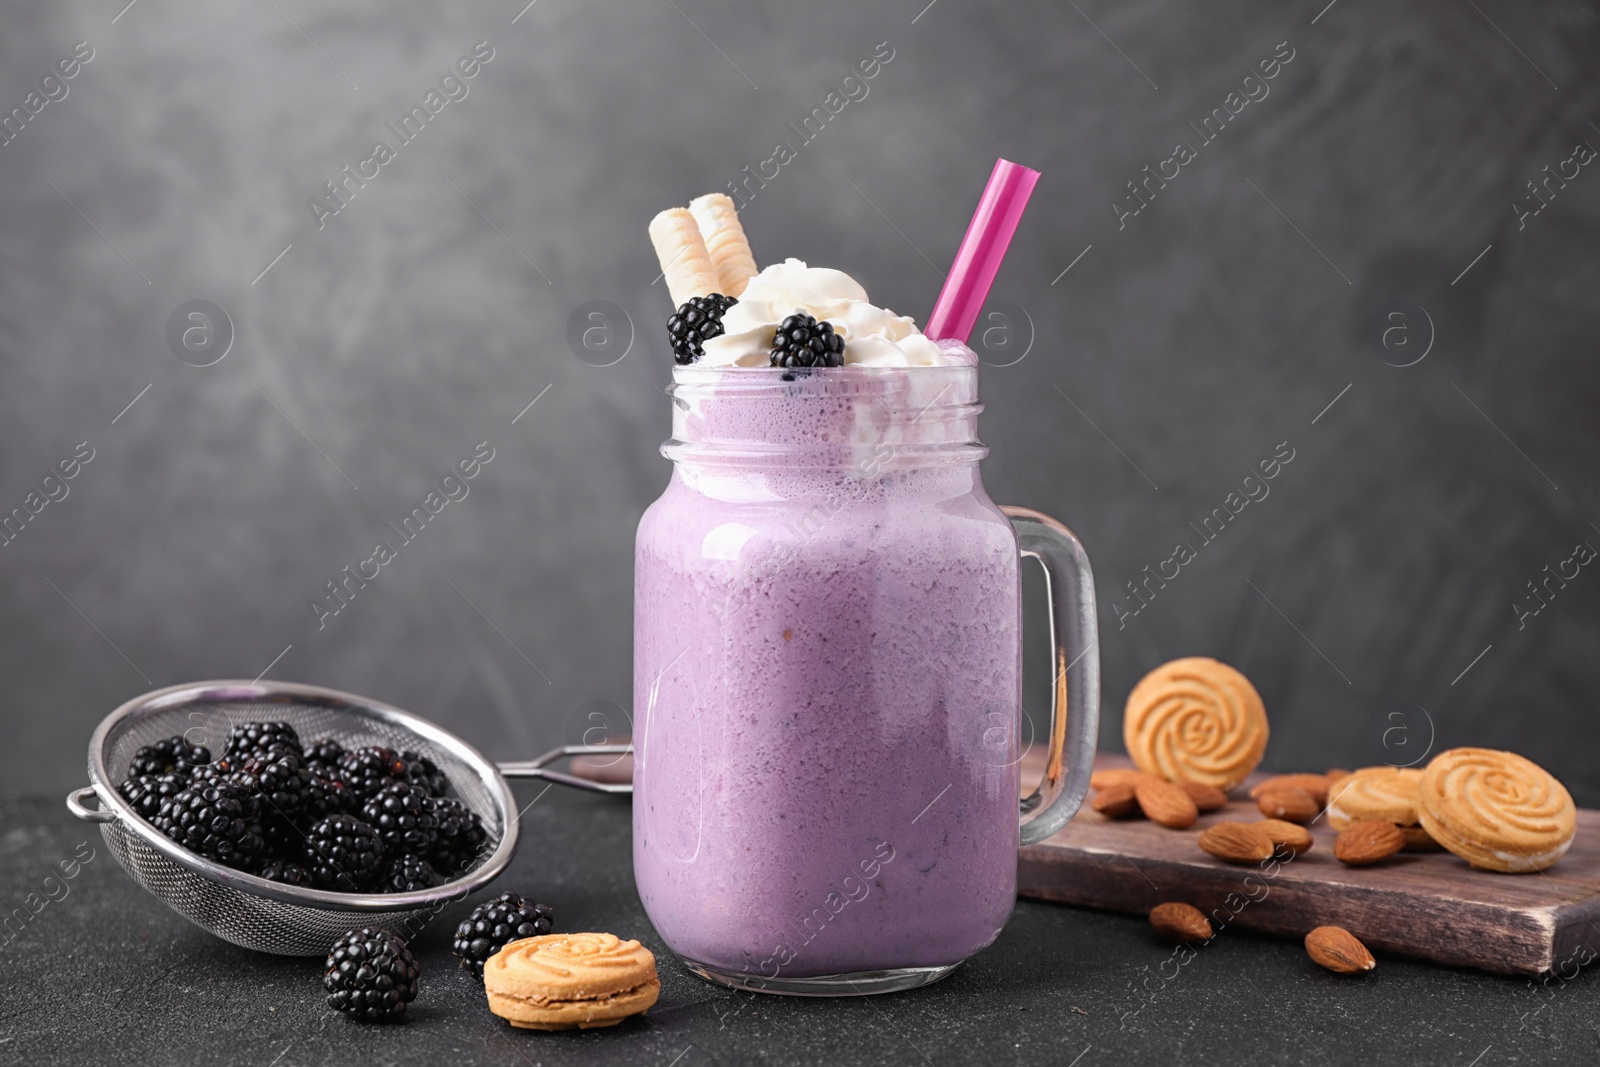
x=107 y=974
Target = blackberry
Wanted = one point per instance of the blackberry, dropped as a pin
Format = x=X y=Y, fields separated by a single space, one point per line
x=324 y=750
x=279 y=833
x=287 y=873
x=697 y=321
x=228 y=770
x=422 y=771
x=327 y=794
x=343 y=853
x=461 y=837
x=147 y=791
x=215 y=820
x=367 y=770
x=370 y=974
x=802 y=341
x=322 y=759
x=223 y=772
x=250 y=738
x=407 y=874
x=403 y=815
x=225 y=767
x=172 y=756
x=496 y=923
x=280 y=779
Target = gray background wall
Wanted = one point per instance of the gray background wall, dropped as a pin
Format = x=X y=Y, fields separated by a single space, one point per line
x=1177 y=351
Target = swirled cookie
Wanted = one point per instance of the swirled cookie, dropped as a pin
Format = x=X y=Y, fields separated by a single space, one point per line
x=570 y=981
x=1384 y=794
x=1387 y=794
x=1195 y=720
x=1496 y=810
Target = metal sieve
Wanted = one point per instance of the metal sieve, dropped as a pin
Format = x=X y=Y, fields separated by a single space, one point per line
x=268 y=916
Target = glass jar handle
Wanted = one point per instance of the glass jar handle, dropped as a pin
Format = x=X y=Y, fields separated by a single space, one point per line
x=1075 y=640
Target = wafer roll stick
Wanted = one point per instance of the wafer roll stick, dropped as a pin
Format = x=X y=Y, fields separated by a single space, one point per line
x=725 y=240
x=684 y=259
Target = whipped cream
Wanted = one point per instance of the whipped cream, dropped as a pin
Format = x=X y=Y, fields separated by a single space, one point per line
x=873 y=336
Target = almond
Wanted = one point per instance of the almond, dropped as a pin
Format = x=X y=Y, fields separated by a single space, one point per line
x=1166 y=803
x=1237 y=842
x=1368 y=841
x=1205 y=797
x=1287 y=836
x=1289 y=803
x=1107 y=776
x=1116 y=801
x=1180 y=922
x=1314 y=784
x=1337 y=949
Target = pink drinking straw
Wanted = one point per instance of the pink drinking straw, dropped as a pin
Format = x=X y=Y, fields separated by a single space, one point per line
x=978 y=259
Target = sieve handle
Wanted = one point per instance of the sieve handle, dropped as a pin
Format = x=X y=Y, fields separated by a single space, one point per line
x=75 y=805
x=538 y=768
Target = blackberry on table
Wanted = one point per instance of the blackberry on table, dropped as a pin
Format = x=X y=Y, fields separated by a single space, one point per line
x=802 y=341
x=367 y=770
x=213 y=819
x=403 y=815
x=495 y=924
x=250 y=738
x=172 y=756
x=288 y=873
x=407 y=874
x=343 y=853
x=370 y=974
x=698 y=320
x=461 y=837
x=147 y=791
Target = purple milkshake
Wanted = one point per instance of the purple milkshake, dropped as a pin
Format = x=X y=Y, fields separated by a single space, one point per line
x=820 y=656
x=827 y=659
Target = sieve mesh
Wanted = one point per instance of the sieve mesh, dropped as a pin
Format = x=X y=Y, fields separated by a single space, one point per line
x=250 y=911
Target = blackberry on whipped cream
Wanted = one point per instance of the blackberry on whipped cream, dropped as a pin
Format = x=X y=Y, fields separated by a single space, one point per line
x=802 y=341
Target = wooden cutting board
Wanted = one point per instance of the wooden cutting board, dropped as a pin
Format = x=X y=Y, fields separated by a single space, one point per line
x=1429 y=905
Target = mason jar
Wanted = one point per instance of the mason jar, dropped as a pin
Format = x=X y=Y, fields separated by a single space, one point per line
x=828 y=680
